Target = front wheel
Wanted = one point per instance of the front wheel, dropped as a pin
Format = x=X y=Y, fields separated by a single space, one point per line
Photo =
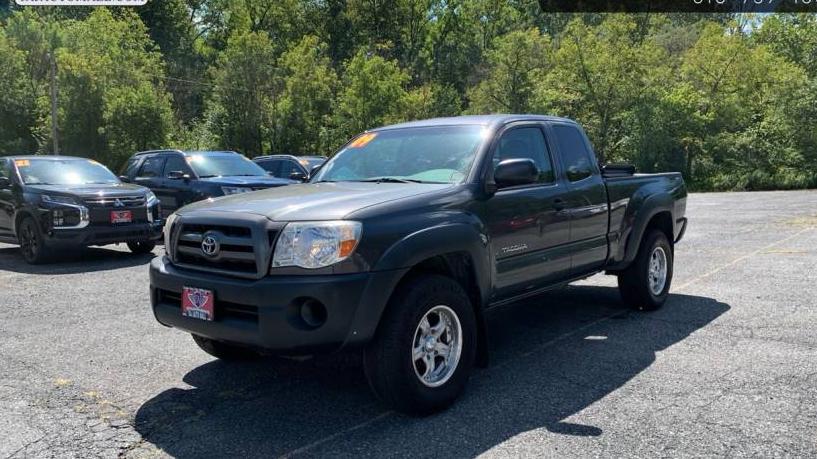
x=423 y=351
x=31 y=241
x=141 y=247
x=645 y=284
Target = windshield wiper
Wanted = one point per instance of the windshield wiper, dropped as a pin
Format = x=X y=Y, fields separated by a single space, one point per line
x=390 y=180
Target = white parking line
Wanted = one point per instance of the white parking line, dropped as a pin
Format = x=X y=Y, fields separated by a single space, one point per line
x=545 y=345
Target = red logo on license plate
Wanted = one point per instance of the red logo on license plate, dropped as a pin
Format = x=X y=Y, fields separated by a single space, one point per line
x=121 y=216
x=197 y=303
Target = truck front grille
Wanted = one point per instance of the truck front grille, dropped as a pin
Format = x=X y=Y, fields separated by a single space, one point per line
x=238 y=251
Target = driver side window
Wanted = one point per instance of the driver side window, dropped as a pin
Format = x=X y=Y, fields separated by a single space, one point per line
x=526 y=143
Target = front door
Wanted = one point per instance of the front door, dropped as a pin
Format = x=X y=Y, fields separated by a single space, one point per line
x=175 y=192
x=6 y=200
x=527 y=224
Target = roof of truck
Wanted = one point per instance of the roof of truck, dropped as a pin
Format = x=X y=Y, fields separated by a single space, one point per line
x=480 y=120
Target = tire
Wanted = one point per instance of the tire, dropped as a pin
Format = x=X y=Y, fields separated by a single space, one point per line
x=640 y=284
x=225 y=351
x=32 y=245
x=410 y=385
x=142 y=247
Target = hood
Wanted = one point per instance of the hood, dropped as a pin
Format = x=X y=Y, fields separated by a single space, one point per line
x=256 y=180
x=91 y=191
x=313 y=201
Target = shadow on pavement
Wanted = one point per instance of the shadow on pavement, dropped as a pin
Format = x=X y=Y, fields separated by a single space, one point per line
x=552 y=357
x=72 y=261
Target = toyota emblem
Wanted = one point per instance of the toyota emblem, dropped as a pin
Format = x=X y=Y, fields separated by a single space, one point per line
x=210 y=245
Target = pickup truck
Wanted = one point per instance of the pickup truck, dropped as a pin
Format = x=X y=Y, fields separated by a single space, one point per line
x=404 y=239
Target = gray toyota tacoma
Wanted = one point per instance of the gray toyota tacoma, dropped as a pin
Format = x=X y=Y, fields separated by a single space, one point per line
x=403 y=240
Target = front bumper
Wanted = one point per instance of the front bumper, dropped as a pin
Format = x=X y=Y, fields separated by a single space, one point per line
x=101 y=235
x=265 y=314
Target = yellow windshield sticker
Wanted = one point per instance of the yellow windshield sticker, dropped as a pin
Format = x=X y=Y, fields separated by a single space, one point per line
x=363 y=140
x=22 y=162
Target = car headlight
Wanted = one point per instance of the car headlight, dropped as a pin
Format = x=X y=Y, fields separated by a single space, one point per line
x=314 y=245
x=228 y=190
x=151 y=199
x=168 y=228
x=59 y=199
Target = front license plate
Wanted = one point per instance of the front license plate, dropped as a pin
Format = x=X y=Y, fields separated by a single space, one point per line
x=197 y=303
x=121 y=216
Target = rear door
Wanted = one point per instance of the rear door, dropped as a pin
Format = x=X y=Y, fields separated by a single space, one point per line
x=527 y=224
x=586 y=198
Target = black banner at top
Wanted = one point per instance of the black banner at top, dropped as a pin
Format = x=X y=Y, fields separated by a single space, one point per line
x=679 y=6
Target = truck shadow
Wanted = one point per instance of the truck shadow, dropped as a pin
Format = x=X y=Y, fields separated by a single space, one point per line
x=549 y=362
x=73 y=261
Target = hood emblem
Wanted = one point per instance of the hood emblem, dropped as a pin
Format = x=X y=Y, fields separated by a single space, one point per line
x=118 y=203
x=210 y=245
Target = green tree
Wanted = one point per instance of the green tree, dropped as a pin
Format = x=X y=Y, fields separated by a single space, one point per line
x=515 y=64
x=373 y=94
x=304 y=108
x=243 y=100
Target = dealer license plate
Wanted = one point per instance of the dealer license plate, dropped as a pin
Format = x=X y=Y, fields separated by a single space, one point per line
x=197 y=303
x=121 y=216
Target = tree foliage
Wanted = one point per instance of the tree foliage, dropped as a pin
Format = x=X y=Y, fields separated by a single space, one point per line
x=728 y=100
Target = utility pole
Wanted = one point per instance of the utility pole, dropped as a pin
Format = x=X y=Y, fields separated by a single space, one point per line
x=53 y=74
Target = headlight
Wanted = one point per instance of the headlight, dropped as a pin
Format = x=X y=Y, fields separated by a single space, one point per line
x=228 y=190
x=316 y=244
x=168 y=228
x=59 y=199
x=151 y=199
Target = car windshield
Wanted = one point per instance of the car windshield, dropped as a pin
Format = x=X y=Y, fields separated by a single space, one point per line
x=441 y=154
x=36 y=171
x=223 y=165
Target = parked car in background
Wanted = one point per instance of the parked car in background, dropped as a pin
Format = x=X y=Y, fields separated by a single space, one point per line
x=181 y=177
x=290 y=166
x=403 y=240
x=49 y=202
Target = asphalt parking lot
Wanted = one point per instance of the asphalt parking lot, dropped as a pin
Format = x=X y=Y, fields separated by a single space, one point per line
x=728 y=367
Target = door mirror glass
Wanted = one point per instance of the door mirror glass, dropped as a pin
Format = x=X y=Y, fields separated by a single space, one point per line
x=515 y=172
x=4 y=182
x=297 y=175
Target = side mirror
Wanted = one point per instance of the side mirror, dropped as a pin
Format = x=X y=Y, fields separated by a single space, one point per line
x=4 y=183
x=124 y=178
x=300 y=176
x=177 y=175
x=515 y=172
x=315 y=170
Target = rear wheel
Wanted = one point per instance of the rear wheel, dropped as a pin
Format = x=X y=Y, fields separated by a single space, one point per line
x=142 y=247
x=31 y=241
x=423 y=352
x=645 y=284
x=225 y=351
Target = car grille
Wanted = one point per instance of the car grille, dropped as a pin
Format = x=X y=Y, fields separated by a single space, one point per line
x=244 y=249
x=124 y=202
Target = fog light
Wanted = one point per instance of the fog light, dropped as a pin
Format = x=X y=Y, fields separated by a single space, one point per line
x=313 y=313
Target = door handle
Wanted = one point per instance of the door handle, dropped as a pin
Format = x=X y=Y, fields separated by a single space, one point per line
x=559 y=204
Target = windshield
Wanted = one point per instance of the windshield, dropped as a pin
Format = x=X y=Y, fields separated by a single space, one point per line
x=441 y=154
x=223 y=165
x=63 y=172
